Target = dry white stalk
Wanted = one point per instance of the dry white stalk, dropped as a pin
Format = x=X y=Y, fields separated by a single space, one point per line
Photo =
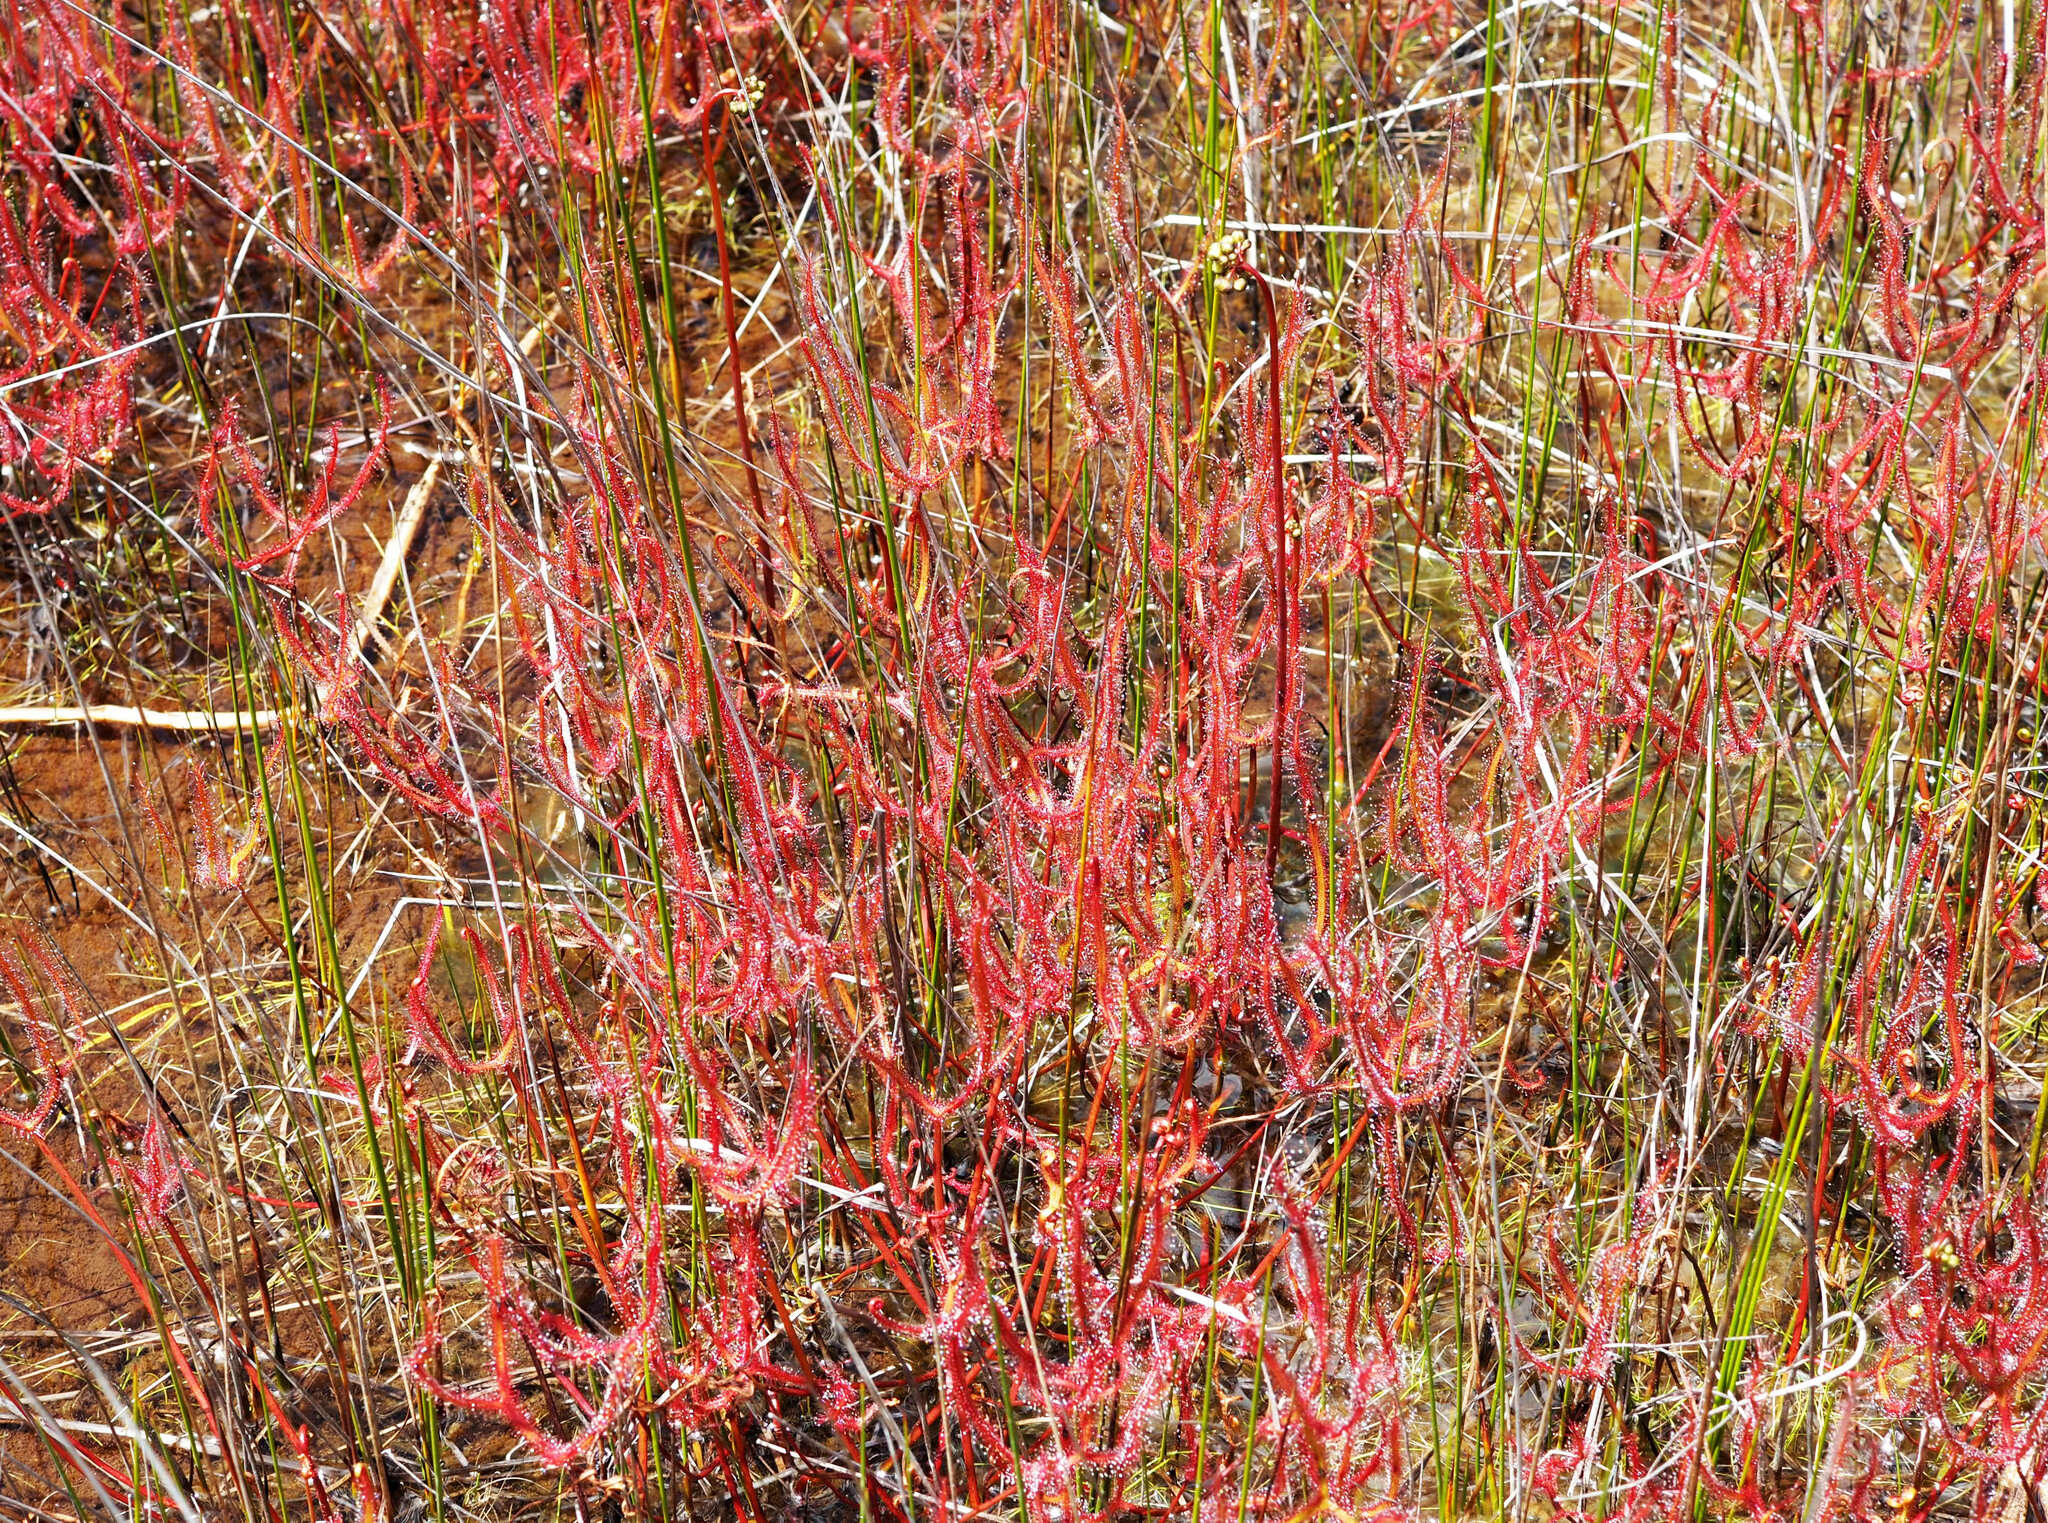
x=129 y=716
x=403 y=528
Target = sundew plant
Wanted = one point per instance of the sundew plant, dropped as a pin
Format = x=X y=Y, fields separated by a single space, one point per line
x=1023 y=760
